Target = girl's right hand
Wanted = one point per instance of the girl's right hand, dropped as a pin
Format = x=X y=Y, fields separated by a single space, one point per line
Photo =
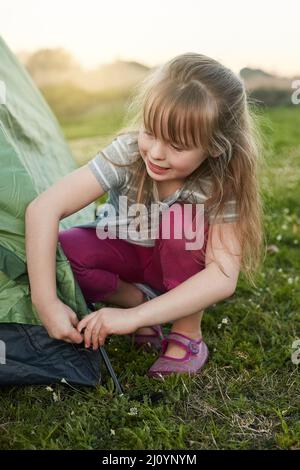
x=60 y=321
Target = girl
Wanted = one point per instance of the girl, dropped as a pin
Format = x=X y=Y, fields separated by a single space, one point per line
x=192 y=143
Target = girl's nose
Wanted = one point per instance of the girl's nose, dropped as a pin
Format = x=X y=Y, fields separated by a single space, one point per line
x=157 y=151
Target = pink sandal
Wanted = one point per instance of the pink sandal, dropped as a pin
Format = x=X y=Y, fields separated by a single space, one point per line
x=149 y=341
x=193 y=361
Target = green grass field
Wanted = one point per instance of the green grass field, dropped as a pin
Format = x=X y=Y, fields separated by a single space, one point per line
x=248 y=394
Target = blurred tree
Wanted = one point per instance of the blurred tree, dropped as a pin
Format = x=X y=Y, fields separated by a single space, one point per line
x=48 y=66
x=272 y=96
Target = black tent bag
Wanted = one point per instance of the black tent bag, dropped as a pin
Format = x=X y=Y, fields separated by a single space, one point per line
x=29 y=356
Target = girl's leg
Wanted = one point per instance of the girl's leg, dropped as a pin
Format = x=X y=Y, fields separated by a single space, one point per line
x=189 y=326
x=127 y=295
x=176 y=265
x=105 y=269
x=172 y=261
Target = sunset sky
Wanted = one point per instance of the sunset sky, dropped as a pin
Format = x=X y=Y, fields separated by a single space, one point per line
x=260 y=34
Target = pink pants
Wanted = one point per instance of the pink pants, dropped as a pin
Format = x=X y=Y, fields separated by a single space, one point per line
x=98 y=264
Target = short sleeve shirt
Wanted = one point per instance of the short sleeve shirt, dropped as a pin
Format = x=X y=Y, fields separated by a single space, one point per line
x=116 y=181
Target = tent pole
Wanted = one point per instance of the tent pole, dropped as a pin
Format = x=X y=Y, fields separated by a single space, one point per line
x=106 y=360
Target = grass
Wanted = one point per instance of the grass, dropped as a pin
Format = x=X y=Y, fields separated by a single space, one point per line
x=248 y=394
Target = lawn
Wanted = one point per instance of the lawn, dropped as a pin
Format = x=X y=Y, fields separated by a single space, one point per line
x=247 y=396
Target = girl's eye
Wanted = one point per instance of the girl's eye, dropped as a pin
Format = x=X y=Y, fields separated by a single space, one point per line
x=177 y=149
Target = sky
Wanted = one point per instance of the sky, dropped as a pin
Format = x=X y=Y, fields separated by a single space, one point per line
x=257 y=33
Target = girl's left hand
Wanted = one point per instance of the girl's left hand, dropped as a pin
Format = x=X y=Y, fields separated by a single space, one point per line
x=107 y=321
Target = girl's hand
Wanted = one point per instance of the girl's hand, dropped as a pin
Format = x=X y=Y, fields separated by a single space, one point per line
x=107 y=321
x=60 y=321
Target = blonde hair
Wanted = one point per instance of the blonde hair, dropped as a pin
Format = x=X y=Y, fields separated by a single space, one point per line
x=205 y=106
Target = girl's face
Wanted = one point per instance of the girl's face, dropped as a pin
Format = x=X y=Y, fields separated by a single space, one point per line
x=165 y=162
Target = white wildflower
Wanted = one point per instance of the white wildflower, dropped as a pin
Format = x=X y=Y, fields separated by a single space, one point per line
x=225 y=321
x=55 y=397
x=279 y=237
x=290 y=280
x=133 y=411
x=242 y=354
x=112 y=432
x=296 y=352
x=49 y=389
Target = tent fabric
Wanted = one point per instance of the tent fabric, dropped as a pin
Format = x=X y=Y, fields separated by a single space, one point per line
x=33 y=155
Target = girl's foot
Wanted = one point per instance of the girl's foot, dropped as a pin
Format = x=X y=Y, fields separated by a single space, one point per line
x=177 y=351
x=196 y=355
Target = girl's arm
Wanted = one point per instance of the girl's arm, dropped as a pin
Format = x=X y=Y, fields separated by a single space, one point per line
x=68 y=195
x=203 y=289
x=193 y=295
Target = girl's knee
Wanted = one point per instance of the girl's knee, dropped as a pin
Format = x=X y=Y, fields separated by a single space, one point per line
x=182 y=240
x=181 y=221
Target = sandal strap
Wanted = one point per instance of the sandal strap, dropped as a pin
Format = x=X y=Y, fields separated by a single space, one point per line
x=190 y=345
x=158 y=330
x=147 y=290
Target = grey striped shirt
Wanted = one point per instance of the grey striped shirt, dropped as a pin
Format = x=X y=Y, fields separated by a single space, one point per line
x=115 y=180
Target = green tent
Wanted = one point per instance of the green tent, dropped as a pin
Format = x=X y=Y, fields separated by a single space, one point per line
x=33 y=155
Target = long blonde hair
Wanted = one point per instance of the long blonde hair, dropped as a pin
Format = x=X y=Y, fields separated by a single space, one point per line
x=205 y=106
